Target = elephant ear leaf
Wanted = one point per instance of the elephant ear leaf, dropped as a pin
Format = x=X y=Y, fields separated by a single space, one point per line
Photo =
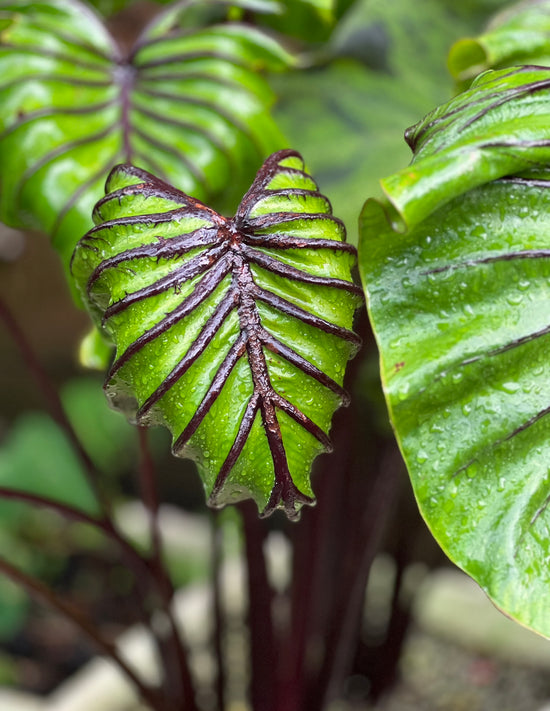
x=455 y=261
x=234 y=333
x=187 y=104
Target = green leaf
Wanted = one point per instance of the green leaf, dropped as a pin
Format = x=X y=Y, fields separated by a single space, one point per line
x=188 y=105
x=348 y=116
x=234 y=333
x=518 y=35
x=38 y=458
x=309 y=20
x=185 y=8
x=105 y=435
x=455 y=262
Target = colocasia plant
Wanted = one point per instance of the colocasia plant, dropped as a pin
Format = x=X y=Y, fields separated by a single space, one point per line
x=235 y=332
x=247 y=322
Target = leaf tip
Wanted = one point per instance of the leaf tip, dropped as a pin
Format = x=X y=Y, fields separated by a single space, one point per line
x=288 y=498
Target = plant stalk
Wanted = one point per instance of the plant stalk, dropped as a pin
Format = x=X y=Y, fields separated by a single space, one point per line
x=180 y=687
x=44 y=595
x=260 y=621
x=53 y=403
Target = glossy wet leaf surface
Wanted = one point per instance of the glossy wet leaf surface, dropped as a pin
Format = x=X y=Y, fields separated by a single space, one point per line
x=188 y=105
x=456 y=266
x=234 y=333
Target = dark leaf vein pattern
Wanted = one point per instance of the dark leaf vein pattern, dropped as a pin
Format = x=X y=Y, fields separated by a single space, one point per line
x=80 y=106
x=234 y=333
x=456 y=269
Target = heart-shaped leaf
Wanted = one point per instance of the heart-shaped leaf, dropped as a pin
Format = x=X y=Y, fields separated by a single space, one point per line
x=234 y=333
x=188 y=105
x=456 y=266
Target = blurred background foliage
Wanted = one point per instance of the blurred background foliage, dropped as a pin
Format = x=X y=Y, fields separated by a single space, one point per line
x=370 y=69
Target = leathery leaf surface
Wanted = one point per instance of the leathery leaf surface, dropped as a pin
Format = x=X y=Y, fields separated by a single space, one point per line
x=456 y=266
x=234 y=333
x=187 y=104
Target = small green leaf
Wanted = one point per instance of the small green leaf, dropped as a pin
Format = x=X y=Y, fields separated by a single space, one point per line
x=456 y=267
x=518 y=35
x=234 y=333
x=188 y=105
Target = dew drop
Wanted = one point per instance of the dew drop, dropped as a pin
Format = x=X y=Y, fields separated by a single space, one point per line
x=514 y=299
x=510 y=387
x=421 y=457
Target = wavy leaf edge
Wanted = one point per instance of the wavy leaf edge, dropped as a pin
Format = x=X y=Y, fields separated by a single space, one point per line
x=231 y=246
x=521 y=160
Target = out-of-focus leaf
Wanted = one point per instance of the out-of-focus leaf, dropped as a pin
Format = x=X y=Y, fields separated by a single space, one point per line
x=308 y=20
x=188 y=105
x=518 y=35
x=186 y=9
x=234 y=333
x=348 y=117
x=14 y=603
x=456 y=265
x=106 y=436
x=94 y=352
x=36 y=457
x=110 y=7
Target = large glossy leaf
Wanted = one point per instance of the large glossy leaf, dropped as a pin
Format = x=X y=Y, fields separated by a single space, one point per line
x=456 y=266
x=188 y=105
x=234 y=333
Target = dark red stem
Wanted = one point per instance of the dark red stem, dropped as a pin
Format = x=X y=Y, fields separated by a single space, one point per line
x=44 y=595
x=260 y=621
x=180 y=687
x=53 y=403
x=219 y=619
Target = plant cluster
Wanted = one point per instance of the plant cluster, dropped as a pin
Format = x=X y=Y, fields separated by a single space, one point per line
x=235 y=332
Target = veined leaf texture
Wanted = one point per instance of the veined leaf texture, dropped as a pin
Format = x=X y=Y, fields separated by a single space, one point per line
x=234 y=333
x=185 y=103
x=456 y=270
